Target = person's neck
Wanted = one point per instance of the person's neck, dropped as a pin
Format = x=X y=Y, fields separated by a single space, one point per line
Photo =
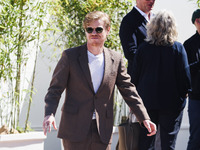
x=95 y=50
x=147 y=13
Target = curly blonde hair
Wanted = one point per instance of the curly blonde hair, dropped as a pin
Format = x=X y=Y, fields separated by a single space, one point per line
x=162 y=29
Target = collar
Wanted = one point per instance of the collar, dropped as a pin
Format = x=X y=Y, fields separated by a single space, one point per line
x=143 y=14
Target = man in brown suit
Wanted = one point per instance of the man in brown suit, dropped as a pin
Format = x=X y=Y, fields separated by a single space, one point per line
x=88 y=74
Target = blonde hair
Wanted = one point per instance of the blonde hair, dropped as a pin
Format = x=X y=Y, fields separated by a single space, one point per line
x=162 y=30
x=96 y=15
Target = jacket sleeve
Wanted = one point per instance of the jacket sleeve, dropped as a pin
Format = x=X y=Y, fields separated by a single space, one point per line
x=183 y=75
x=129 y=93
x=57 y=85
x=128 y=39
x=136 y=68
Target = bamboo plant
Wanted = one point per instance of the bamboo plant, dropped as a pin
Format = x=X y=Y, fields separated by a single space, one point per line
x=20 y=30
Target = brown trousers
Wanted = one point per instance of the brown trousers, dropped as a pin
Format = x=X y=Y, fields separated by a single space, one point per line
x=92 y=142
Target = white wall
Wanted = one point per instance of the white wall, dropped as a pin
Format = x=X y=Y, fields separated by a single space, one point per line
x=182 y=10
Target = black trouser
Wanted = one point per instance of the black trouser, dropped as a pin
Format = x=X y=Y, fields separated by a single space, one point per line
x=169 y=125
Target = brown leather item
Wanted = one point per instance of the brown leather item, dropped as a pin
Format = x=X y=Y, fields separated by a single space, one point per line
x=128 y=136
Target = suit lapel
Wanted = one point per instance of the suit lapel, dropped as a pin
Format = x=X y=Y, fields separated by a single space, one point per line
x=108 y=59
x=83 y=61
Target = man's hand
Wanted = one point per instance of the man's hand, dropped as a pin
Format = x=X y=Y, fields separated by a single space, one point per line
x=151 y=127
x=48 y=120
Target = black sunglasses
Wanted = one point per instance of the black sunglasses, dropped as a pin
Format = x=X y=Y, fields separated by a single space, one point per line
x=98 y=29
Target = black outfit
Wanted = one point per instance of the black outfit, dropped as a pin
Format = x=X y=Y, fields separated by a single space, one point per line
x=192 y=46
x=132 y=33
x=162 y=78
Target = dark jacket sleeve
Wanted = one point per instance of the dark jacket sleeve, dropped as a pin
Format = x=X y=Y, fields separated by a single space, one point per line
x=136 y=69
x=130 y=94
x=128 y=39
x=183 y=74
x=57 y=85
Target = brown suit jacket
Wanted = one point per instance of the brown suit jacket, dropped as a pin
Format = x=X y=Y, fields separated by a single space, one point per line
x=72 y=74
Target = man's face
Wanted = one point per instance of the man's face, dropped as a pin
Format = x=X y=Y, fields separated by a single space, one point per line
x=97 y=36
x=197 y=24
x=145 y=5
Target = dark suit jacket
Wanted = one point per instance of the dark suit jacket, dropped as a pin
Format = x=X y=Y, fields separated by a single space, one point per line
x=162 y=76
x=132 y=33
x=73 y=75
